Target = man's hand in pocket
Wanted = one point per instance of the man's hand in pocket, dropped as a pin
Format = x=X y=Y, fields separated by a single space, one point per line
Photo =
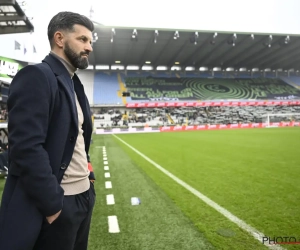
x=52 y=218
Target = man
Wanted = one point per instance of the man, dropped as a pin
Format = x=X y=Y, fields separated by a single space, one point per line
x=49 y=195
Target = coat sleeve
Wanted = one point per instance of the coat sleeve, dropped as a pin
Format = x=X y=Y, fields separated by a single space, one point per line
x=28 y=118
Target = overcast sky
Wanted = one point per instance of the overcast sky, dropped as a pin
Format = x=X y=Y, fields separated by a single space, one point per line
x=257 y=16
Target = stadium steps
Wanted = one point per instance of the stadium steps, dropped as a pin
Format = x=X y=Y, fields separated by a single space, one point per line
x=170 y=119
x=122 y=89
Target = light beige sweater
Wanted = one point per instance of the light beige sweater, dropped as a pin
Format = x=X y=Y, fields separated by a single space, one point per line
x=75 y=179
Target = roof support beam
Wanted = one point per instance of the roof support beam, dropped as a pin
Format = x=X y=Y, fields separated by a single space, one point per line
x=221 y=58
x=21 y=14
x=249 y=51
x=202 y=61
x=128 y=54
x=292 y=48
x=7 y=2
x=294 y=64
x=12 y=18
x=258 y=53
x=143 y=57
x=285 y=58
x=194 y=55
x=155 y=64
x=171 y=61
x=13 y=29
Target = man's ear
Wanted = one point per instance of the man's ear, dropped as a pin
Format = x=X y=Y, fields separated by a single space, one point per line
x=58 y=39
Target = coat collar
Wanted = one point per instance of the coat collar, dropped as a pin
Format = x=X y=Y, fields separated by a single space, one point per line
x=70 y=86
x=56 y=65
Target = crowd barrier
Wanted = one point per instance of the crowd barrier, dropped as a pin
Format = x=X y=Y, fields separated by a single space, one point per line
x=196 y=127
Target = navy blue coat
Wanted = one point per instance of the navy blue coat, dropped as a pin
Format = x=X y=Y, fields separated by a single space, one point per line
x=42 y=126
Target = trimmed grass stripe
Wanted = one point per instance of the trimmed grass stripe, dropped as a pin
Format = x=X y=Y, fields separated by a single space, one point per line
x=157 y=223
x=252 y=173
x=251 y=230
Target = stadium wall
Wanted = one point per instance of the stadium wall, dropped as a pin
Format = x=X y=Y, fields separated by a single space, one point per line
x=194 y=128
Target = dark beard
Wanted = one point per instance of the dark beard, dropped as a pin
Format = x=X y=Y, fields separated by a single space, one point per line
x=77 y=61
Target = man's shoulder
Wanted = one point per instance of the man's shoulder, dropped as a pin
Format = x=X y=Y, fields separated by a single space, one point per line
x=43 y=67
x=42 y=70
x=37 y=74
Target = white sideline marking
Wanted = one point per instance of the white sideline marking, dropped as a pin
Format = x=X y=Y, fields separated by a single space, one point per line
x=106 y=168
x=113 y=225
x=108 y=185
x=104 y=154
x=251 y=230
x=105 y=158
x=107 y=175
x=110 y=199
x=105 y=162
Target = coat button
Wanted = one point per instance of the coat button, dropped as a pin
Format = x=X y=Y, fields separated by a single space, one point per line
x=72 y=139
x=63 y=166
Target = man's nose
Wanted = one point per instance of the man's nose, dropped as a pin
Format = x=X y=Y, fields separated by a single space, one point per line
x=88 y=47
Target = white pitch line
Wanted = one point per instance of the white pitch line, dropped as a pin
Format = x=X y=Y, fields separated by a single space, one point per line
x=113 y=225
x=251 y=230
x=107 y=175
x=105 y=158
x=108 y=185
x=110 y=199
x=106 y=168
x=105 y=162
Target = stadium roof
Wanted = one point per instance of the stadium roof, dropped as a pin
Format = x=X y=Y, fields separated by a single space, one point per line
x=13 y=19
x=127 y=46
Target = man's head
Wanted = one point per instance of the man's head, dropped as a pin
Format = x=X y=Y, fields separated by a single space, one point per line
x=70 y=36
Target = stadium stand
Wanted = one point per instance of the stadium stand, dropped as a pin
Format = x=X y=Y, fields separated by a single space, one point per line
x=106 y=88
x=193 y=115
x=145 y=87
x=292 y=80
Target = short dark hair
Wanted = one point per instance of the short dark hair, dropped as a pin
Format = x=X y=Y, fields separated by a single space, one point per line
x=65 y=21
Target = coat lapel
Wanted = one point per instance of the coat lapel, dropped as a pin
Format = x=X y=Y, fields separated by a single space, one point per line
x=67 y=84
x=65 y=81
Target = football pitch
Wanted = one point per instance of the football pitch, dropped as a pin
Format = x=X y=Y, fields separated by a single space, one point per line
x=222 y=189
x=252 y=173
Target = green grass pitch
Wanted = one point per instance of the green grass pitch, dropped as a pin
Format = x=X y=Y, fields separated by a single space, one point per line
x=253 y=173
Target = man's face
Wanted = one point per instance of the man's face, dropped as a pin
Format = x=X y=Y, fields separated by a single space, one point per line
x=78 y=46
